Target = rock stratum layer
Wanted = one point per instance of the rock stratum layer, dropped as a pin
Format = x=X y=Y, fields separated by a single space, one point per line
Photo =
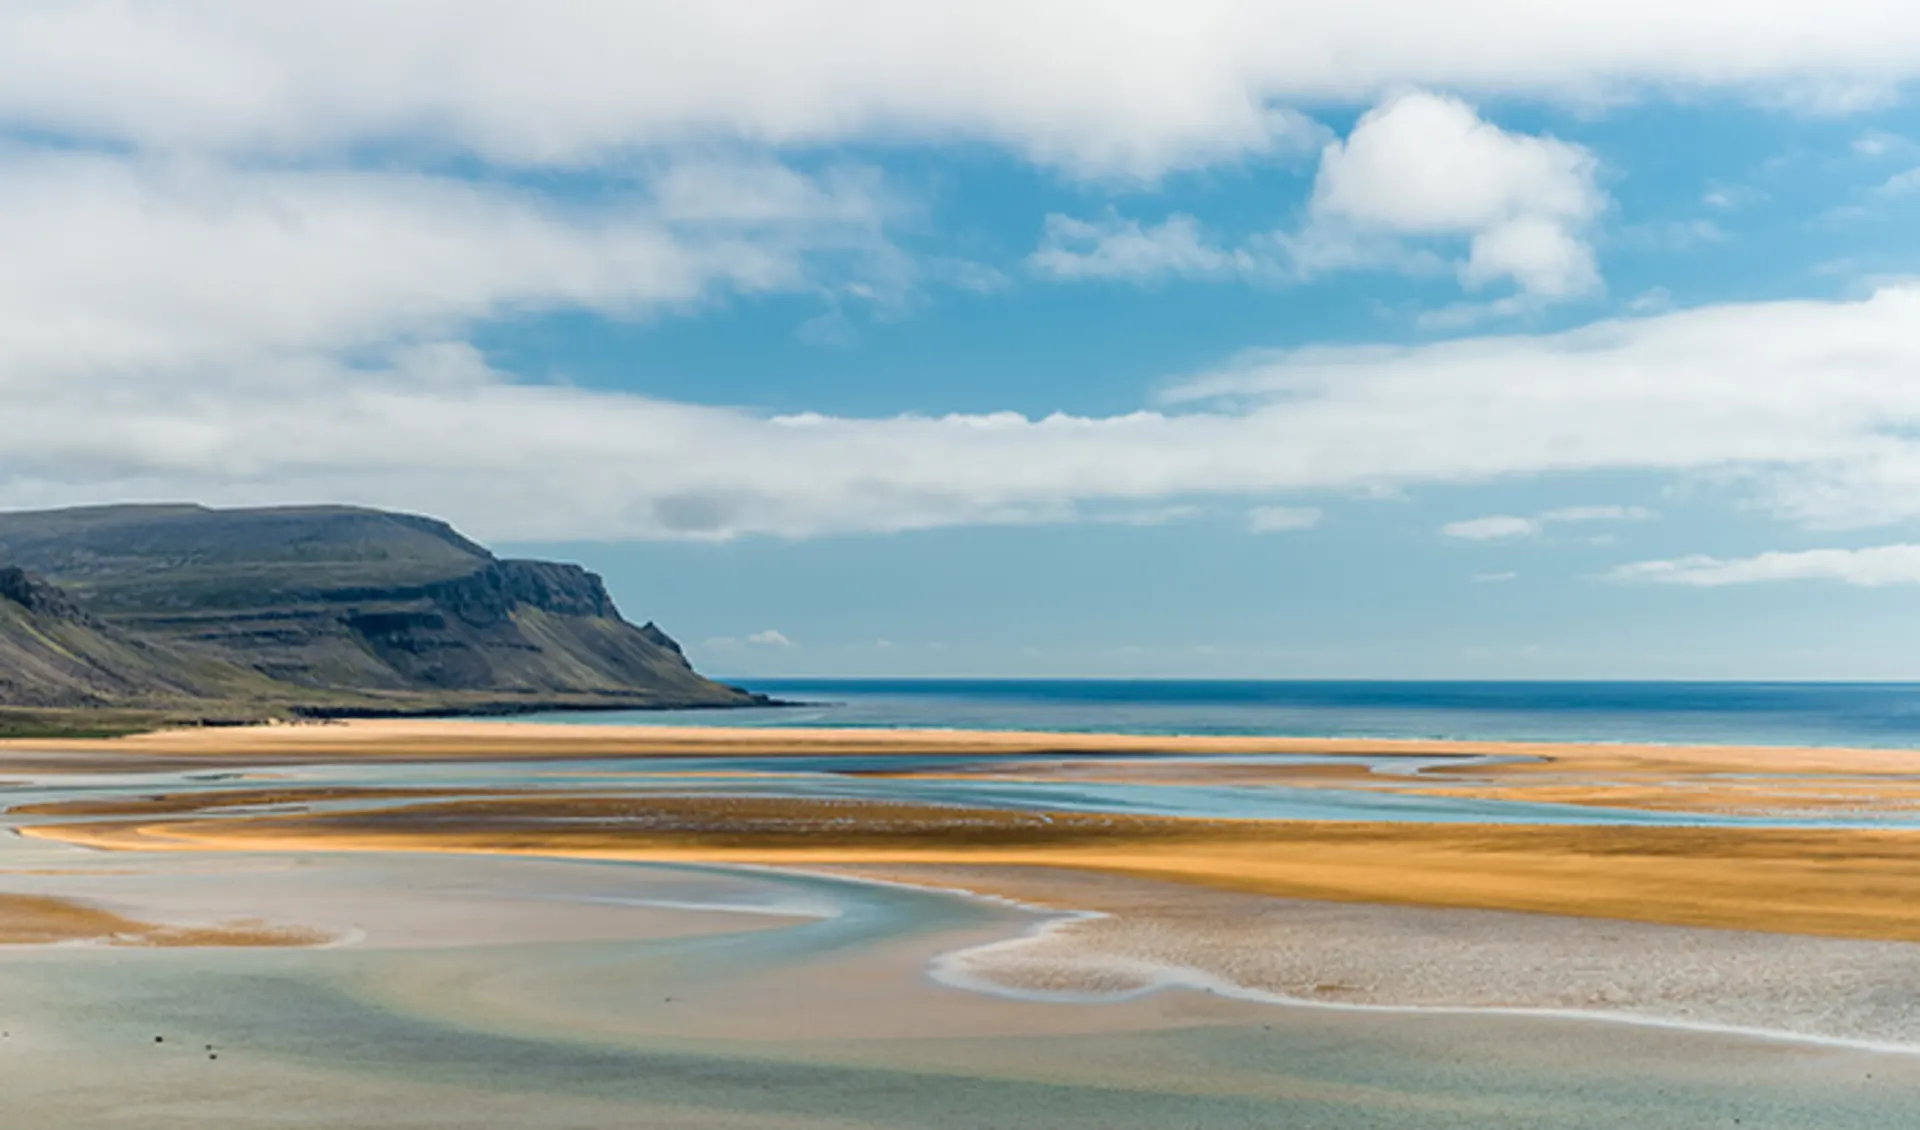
x=317 y=611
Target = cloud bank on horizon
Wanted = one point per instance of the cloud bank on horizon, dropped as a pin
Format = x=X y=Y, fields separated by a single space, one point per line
x=256 y=253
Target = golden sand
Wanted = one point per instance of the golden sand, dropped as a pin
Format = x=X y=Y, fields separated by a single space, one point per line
x=410 y=739
x=166 y=804
x=1859 y=884
x=42 y=920
x=1832 y=882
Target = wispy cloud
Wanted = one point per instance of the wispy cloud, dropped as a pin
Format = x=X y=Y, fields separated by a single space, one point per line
x=1873 y=567
x=1113 y=248
x=1493 y=527
x=1500 y=526
x=1597 y=514
x=1901 y=184
x=1274 y=519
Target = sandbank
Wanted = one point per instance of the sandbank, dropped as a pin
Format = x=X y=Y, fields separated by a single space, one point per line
x=46 y=920
x=1838 y=883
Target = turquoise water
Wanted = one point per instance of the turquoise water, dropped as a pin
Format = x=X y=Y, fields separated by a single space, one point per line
x=1842 y=714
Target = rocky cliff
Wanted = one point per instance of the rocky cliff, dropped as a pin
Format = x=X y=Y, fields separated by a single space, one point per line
x=317 y=610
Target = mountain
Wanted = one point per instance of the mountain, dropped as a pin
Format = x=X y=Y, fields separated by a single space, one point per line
x=312 y=610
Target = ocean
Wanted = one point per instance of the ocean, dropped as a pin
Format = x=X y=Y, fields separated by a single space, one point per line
x=1880 y=715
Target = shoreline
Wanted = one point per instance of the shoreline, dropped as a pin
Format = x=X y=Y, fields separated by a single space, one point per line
x=1770 y=919
x=493 y=738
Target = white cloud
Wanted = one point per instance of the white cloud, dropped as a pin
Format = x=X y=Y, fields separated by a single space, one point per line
x=1901 y=184
x=769 y=638
x=1543 y=258
x=1651 y=300
x=1878 y=143
x=1274 y=519
x=1500 y=577
x=1729 y=198
x=1492 y=527
x=1427 y=165
x=1498 y=526
x=1132 y=87
x=1418 y=167
x=1112 y=248
x=131 y=265
x=1880 y=565
x=1597 y=514
x=170 y=330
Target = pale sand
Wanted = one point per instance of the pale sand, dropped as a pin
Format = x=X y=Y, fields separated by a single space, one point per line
x=1128 y=936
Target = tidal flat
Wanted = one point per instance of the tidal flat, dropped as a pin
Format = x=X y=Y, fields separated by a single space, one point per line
x=648 y=937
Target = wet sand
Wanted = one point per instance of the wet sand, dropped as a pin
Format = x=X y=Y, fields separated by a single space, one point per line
x=1118 y=937
x=478 y=986
x=819 y=1017
x=47 y=920
x=490 y=991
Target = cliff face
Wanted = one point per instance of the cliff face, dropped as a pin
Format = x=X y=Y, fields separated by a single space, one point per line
x=336 y=610
x=54 y=654
x=38 y=598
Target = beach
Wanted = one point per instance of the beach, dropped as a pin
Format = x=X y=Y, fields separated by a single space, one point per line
x=999 y=907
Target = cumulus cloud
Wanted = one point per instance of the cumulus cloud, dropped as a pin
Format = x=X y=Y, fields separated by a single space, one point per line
x=1871 y=568
x=770 y=638
x=1420 y=168
x=1136 y=87
x=1274 y=519
x=1426 y=165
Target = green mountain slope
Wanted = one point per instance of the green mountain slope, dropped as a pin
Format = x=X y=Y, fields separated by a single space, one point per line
x=317 y=610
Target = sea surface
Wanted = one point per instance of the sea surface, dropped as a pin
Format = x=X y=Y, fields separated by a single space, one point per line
x=1874 y=715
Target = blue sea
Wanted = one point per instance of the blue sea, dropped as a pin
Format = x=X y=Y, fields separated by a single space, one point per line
x=1883 y=715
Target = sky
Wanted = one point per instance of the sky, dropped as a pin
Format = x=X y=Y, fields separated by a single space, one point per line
x=1395 y=338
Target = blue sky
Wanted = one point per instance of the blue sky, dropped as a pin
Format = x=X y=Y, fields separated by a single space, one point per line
x=1048 y=338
